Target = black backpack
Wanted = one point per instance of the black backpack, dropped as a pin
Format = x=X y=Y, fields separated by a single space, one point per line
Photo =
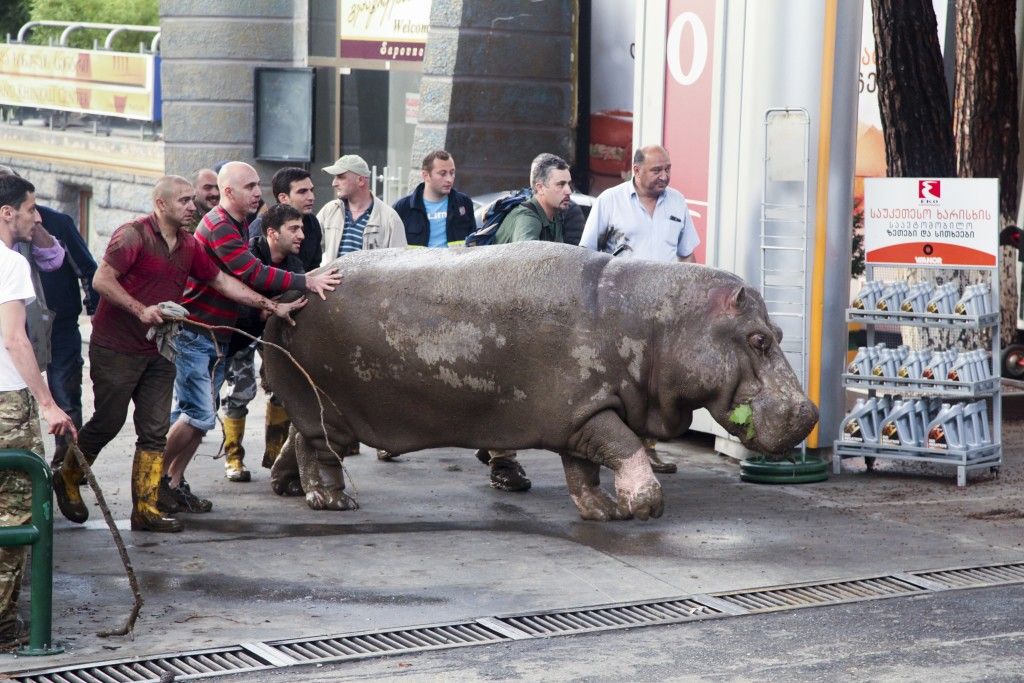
x=494 y=215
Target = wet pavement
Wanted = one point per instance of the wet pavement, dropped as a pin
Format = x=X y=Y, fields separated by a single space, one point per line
x=433 y=542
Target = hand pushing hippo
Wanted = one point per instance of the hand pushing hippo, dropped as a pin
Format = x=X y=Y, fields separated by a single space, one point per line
x=538 y=345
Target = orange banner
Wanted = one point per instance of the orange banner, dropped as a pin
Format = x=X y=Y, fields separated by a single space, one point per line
x=91 y=66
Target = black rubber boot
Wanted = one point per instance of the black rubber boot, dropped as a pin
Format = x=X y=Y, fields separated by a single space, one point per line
x=508 y=475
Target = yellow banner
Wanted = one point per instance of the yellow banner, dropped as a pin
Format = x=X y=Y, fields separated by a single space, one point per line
x=91 y=66
x=85 y=98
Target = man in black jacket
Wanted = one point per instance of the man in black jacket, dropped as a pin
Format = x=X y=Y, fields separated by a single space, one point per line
x=64 y=290
x=435 y=214
x=278 y=246
x=292 y=186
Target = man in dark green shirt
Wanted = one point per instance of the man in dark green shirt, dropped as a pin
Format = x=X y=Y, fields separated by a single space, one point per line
x=541 y=217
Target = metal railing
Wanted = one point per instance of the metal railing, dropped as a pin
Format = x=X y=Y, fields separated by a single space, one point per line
x=390 y=187
x=71 y=26
x=38 y=534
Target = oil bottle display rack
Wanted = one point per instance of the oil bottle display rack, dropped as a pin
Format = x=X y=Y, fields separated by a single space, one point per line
x=966 y=458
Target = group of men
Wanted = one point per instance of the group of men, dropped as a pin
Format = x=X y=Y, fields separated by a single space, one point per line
x=212 y=252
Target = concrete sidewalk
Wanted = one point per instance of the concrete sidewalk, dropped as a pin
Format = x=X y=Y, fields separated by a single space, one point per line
x=433 y=542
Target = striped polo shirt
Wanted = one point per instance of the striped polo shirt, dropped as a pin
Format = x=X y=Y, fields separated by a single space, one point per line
x=352 y=236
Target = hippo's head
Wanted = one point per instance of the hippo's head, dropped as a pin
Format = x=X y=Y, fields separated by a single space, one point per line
x=756 y=395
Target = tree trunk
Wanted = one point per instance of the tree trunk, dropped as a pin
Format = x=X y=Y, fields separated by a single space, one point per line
x=912 y=96
x=986 y=120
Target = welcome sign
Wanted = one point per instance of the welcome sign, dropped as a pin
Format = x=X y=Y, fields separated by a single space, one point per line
x=386 y=30
x=932 y=221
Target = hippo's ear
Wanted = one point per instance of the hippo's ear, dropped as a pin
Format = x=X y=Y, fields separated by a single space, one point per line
x=738 y=299
x=730 y=301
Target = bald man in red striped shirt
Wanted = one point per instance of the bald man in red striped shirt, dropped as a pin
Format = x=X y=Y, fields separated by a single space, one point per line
x=223 y=233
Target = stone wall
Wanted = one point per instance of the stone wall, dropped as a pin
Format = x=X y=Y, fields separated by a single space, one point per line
x=498 y=88
x=209 y=52
x=118 y=172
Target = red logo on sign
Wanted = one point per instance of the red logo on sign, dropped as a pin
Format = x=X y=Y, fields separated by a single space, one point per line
x=929 y=189
x=83 y=67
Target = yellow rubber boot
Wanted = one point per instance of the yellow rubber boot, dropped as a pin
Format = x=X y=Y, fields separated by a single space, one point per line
x=66 y=489
x=234 y=468
x=146 y=470
x=276 y=433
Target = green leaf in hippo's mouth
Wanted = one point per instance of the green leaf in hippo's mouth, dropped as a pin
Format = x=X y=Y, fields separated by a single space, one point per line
x=743 y=416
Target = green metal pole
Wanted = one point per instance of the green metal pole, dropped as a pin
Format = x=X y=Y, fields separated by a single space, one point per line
x=38 y=534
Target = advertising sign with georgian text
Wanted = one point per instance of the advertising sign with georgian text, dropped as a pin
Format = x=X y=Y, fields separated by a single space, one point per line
x=123 y=85
x=386 y=30
x=932 y=221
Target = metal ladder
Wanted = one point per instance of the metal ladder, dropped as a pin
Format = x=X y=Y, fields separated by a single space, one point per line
x=784 y=248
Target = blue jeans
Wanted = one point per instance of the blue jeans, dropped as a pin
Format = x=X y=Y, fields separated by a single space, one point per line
x=199 y=378
x=64 y=373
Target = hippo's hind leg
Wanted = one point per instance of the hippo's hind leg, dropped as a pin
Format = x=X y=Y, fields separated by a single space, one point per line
x=584 y=481
x=321 y=475
x=606 y=440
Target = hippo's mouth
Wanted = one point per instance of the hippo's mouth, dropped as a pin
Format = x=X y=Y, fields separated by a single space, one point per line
x=742 y=425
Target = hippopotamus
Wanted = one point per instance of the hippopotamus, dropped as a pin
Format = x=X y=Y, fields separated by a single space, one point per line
x=537 y=345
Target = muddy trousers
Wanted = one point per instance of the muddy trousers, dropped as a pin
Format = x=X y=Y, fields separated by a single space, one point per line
x=19 y=428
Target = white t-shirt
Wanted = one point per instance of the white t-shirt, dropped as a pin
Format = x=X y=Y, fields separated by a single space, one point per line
x=619 y=224
x=15 y=284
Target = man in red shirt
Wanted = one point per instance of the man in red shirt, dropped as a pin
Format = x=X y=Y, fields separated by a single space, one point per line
x=147 y=262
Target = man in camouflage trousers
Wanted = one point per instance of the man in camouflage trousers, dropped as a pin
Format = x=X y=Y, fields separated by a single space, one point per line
x=21 y=386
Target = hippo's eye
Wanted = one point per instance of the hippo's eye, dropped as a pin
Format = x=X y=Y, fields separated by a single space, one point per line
x=761 y=342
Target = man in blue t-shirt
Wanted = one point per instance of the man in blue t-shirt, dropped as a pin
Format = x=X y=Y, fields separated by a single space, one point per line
x=435 y=214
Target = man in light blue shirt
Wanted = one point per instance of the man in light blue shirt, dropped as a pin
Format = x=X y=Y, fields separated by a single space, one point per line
x=437 y=215
x=644 y=218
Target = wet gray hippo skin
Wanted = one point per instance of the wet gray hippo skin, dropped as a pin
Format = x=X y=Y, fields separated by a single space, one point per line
x=538 y=345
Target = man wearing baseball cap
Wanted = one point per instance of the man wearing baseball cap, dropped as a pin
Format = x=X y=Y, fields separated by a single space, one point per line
x=357 y=219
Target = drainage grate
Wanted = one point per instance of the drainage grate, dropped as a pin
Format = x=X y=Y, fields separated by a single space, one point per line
x=185 y=666
x=812 y=594
x=504 y=628
x=972 y=577
x=379 y=643
x=561 y=622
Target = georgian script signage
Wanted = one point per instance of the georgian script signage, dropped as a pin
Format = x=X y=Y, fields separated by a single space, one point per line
x=384 y=29
x=124 y=85
x=932 y=221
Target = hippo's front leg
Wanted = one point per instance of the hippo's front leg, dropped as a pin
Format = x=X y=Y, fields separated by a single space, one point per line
x=606 y=440
x=584 y=481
